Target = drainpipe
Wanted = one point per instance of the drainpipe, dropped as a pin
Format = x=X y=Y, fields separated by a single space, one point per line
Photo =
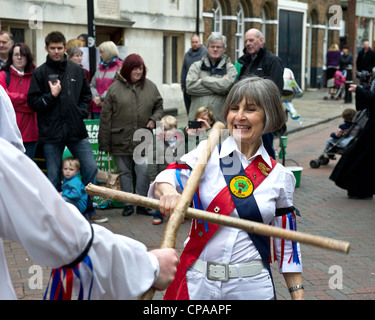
x=197 y=19
x=92 y=34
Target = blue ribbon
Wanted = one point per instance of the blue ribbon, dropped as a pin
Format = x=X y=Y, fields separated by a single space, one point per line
x=293 y=226
x=197 y=204
x=57 y=281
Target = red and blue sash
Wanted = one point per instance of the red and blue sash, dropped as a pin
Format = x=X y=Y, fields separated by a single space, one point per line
x=201 y=233
x=241 y=187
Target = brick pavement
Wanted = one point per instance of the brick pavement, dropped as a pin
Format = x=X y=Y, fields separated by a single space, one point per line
x=325 y=210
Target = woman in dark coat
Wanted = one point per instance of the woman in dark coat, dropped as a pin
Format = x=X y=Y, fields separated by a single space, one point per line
x=355 y=171
x=131 y=108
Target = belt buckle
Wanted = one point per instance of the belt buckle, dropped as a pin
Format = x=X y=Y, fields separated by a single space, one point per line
x=212 y=276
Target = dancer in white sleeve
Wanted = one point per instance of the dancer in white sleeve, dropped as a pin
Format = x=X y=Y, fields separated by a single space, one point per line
x=102 y=265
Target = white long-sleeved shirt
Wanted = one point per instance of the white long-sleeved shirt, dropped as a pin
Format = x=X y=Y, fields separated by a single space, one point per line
x=8 y=124
x=55 y=233
x=230 y=245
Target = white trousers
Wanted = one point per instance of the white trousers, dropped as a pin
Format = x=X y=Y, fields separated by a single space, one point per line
x=258 y=287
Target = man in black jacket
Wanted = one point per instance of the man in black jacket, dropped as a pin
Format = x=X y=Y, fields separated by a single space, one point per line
x=258 y=61
x=366 y=58
x=60 y=94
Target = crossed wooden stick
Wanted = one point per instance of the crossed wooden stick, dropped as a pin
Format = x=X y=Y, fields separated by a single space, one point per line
x=182 y=210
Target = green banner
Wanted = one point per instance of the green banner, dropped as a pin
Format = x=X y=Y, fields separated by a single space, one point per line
x=92 y=128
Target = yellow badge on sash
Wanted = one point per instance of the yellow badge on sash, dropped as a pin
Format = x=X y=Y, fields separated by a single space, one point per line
x=241 y=186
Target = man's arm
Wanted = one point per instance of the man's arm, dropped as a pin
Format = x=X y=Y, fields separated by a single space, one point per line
x=40 y=97
x=276 y=72
x=194 y=84
x=85 y=97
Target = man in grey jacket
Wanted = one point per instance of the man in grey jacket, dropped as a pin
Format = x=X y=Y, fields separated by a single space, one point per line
x=210 y=79
x=195 y=53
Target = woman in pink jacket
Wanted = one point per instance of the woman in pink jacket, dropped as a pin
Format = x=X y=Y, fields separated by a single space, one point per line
x=104 y=76
x=15 y=79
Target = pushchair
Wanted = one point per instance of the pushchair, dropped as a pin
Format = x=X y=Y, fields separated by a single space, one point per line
x=342 y=144
x=336 y=86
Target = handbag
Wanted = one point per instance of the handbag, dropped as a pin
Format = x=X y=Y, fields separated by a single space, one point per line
x=107 y=178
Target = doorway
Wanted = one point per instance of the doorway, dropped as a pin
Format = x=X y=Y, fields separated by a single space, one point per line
x=291 y=41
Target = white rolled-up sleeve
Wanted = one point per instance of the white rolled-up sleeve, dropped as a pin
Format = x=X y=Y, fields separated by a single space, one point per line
x=55 y=233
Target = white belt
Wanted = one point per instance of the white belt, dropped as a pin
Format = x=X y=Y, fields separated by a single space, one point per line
x=223 y=272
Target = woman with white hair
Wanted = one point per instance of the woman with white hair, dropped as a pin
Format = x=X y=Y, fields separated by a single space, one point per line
x=104 y=76
x=240 y=180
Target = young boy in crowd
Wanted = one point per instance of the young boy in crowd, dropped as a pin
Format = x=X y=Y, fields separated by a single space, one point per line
x=73 y=190
x=169 y=147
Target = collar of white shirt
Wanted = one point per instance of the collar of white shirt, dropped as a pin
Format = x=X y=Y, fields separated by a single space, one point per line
x=230 y=145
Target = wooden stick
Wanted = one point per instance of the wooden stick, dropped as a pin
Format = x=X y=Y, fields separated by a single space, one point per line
x=250 y=226
x=187 y=195
x=171 y=230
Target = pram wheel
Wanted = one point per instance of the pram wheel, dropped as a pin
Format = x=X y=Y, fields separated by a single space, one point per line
x=314 y=164
x=323 y=160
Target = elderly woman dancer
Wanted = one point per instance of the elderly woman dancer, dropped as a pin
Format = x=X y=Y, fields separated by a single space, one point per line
x=240 y=180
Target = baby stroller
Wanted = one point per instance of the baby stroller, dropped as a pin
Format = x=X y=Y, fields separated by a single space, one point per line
x=340 y=146
x=336 y=86
x=291 y=90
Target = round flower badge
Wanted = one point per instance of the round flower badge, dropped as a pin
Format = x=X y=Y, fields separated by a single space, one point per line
x=241 y=186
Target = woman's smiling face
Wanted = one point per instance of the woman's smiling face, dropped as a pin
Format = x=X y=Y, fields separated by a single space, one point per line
x=246 y=122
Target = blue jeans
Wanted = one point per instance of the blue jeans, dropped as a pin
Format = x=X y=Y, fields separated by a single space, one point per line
x=80 y=149
x=96 y=115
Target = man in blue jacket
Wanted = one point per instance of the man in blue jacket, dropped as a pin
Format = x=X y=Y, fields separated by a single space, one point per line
x=195 y=53
x=60 y=94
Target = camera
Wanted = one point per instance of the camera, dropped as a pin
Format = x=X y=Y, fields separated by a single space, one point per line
x=53 y=78
x=195 y=124
x=363 y=75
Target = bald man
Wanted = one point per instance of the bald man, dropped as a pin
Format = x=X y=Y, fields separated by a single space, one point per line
x=258 y=61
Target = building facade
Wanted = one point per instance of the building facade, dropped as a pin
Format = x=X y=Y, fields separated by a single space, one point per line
x=298 y=31
x=359 y=19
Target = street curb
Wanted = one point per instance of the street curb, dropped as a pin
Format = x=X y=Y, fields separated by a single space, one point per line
x=311 y=125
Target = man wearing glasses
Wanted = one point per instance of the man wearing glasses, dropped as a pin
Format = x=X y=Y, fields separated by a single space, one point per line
x=210 y=79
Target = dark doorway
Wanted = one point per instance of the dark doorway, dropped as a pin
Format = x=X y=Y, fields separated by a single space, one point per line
x=290 y=41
